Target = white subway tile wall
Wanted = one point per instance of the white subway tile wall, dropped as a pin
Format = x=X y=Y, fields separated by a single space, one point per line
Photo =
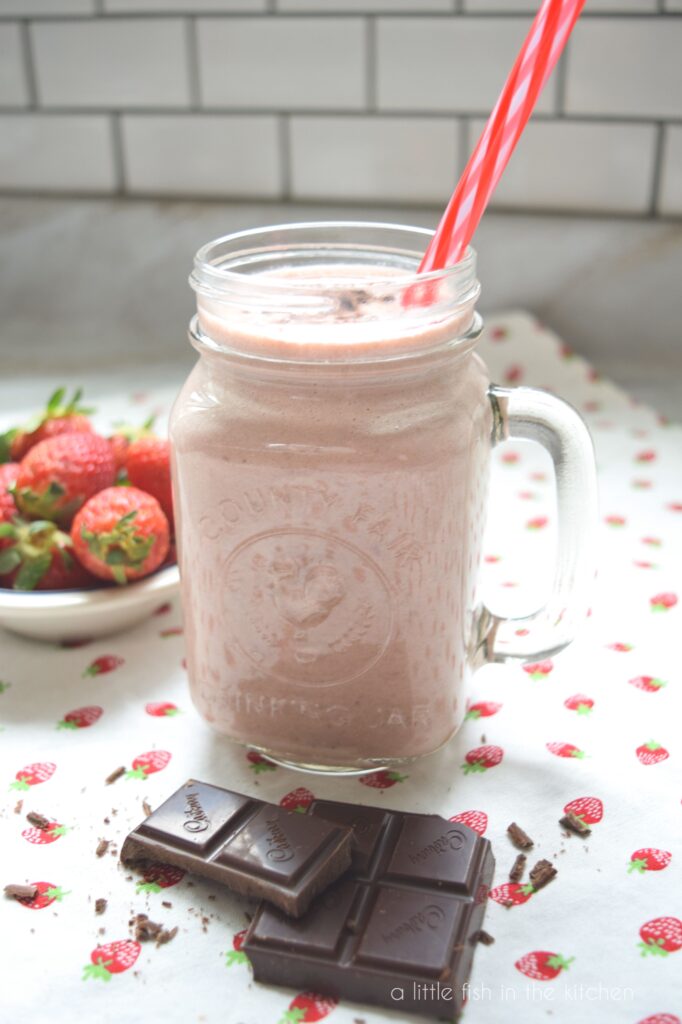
x=342 y=100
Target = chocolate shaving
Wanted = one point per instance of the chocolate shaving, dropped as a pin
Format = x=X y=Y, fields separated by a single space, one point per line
x=518 y=837
x=100 y=905
x=39 y=820
x=102 y=847
x=146 y=930
x=166 y=903
x=21 y=892
x=146 y=808
x=115 y=775
x=167 y=935
x=518 y=867
x=542 y=873
x=574 y=824
x=485 y=938
x=18 y=807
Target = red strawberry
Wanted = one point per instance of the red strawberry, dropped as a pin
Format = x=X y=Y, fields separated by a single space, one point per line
x=297 y=800
x=512 y=893
x=650 y=684
x=149 y=763
x=111 y=958
x=47 y=894
x=121 y=534
x=164 y=608
x=662 y=1018
x=539 y=669
x=620 y=647
x=148 y=467
x=498 y=333
x=43 y=836
x=38 y=556
x=382 y=779
x=542 y=966
x=8 y=507
x=661 y=936
x=58 y=417
x=492 y=559
x=236 y=955
x=511 y=458
x=482 y=758
x=588 y=809
x=538 y=523
x=160 y=876
x=105 y=663
x=662 y=602
x=580 y=703
x=258 y=763
x=644 y=565
x=651 y=753
x=484 y=709
x=33 y=774
x=81 y=718
x=565 y=750
x=477 y=820
x=124 y=436
x=648 y=859
x=513 y=373
x=308 y=1007
x=648 y=455
x=60 y=474
x=162 y=710
x=615 y=520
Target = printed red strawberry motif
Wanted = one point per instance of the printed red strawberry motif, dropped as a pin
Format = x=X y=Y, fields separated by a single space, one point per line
x=542 y=966
x=160 y=876
x=674 y=506
x=647 y=455
x=148 y=764
x=298 y=800
x=580 y=703
x=236 y=955
x=308 y=1007
x=565 y=750
x=512 y=893
x=513 y=373
x=663 y=602
x=172 y=631
x=661 y=936
x=483 y=709
x=47 y=894
x=538 y=476
x=33 y=775
x=477 y=820
x=105 y=663
x=164 y=608
x=498 y=333
x=538 y=523
x=615 y=520
x=648 y=859
x=163 y=709
x=382 y=779
x=644 y=565
x=511 y=458
x=642 y=485
x=588 y=809
x=650 y=684
x=43 y=836
x=482 y=758
x=620 y=647
x=662 y=1018
x=258 y=763
x=651 y=753
x=111 y=958
x=539 y=669
x=654 y=542
x=491 y=559
x=80 y=718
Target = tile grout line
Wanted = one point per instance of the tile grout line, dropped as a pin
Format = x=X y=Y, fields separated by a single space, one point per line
x=657 y=170
x=371 y=64
x=560 y=83
x=284 y=145
x=192 y=52
x=120 y=184
x=463 y=144
x=28 y=65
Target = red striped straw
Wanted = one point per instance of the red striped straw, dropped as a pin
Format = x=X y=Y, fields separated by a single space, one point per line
x=541 y=50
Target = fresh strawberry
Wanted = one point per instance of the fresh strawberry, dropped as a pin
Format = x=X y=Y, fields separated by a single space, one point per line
x=620 y=647
x=58 y=417
x=43 y=836
x=512 y=893
x=482 y=758
x=588 y=809
x=661 y=936
x=258 y=763
x=539 y=669
x=33 y=775
x=9 y=472
x=650 y=684
x=47 y=894
x=477 y=820
x=124 y=436
x=297 y=800
x=236 y=955
x=148 y=764
x=484 y=709
x=81 y=718
x=38 y=556
x=160 y=876
x=111 y=958
x=162 y=710
x=565 y=750
x=60 y=474
x=651 y=753
x=542 y=966
x=580 y=703
x=381 y=779
x=121 y=534
x=148 y=467
x=648 y=859
x=663 y=602
x=105 y=663
x=308 y=1007
x=538 y=523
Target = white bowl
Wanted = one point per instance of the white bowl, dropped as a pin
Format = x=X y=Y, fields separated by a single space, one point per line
x=58 y=615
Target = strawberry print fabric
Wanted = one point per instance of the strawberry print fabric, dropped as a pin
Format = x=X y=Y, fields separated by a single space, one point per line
x=594 y=730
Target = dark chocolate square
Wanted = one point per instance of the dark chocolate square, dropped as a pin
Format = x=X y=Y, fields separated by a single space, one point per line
x=367 y=824
x=195 y=816
x=431 y=850
x=322 y=930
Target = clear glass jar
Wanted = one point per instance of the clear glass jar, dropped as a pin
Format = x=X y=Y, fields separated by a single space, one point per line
x=331 y=458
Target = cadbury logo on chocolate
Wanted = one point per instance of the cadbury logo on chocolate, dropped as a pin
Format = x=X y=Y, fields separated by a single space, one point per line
x=195 y=816
x=453 y=839
x=279 y=848
x=430 y=917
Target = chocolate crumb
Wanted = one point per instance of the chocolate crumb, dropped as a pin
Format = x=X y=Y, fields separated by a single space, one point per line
x=102 y=847
x=100 y=905
x=482 y=737
x=101 y=931
x=144 y=928
x=571 y=822
x=485 y=938
x=166 y=935
x=107 y=821
x=146 y=808
x=211 y=896
x=542 y=873
x=518 y=837
x=166 y=903
x=21 y=892
x=518 y=867
x=18 y=806
x=39 y=820
x=114 y=777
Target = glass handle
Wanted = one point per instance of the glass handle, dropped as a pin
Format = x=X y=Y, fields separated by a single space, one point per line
x=539 y=416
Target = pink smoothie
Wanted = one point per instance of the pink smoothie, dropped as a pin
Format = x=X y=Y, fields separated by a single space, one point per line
x=330 y=507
